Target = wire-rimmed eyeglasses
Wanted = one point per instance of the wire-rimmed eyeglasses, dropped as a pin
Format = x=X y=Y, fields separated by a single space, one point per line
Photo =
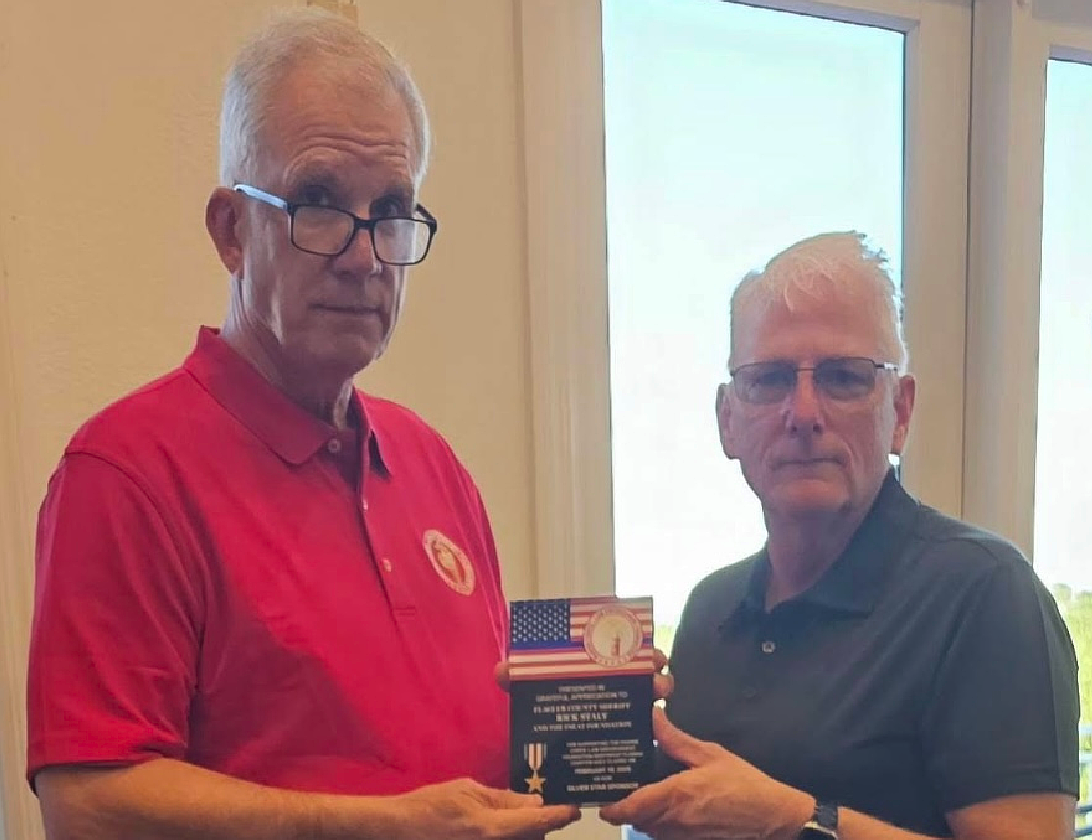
x=842 y=378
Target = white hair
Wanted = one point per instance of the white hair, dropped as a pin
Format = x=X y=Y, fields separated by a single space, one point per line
x=840 y=264
x=291 y=39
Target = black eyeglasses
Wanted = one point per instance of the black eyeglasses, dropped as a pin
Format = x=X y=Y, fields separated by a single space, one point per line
x=842 y=378
x=329 y=231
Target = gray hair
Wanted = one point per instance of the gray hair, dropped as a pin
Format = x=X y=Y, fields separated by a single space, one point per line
x=289 y=40
x=839 y=263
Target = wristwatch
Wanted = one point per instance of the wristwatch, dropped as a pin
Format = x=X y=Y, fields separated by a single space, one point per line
x=823 y=824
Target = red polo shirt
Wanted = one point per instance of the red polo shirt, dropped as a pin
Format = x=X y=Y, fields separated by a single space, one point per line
x=211 y=588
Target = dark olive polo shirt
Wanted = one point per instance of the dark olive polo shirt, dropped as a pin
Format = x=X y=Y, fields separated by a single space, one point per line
x=927 y=670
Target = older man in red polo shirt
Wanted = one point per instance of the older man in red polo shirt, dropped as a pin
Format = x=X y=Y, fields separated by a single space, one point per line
x=268 y=605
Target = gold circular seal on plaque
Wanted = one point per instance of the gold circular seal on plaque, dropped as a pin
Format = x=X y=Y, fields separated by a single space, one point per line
x=613 y=636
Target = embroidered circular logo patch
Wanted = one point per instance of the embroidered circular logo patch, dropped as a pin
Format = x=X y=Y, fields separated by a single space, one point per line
x=613 y=636
x=450 y=562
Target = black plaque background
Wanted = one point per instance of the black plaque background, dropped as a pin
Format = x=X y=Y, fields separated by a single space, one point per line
x=556 y=770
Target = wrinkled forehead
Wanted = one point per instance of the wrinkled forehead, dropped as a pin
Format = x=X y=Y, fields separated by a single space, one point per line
x=338 y=101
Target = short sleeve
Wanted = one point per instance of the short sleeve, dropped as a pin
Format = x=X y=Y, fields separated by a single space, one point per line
x=116 y=628
x=1002 y=716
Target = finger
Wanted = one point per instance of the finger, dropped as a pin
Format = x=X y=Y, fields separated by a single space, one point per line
x=659 y=659
x=662 y=686
x=534 y=822
x=500 y=674
x=509 y=799
x=637 y=808
x=685 y=748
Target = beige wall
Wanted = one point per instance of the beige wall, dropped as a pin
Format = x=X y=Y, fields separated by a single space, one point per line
x=108 y=125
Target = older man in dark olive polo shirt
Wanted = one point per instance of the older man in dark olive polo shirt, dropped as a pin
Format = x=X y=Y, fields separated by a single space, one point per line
x=878 y=671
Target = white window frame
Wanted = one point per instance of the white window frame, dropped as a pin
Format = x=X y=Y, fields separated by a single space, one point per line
x=1013 y=40
x=563 y=127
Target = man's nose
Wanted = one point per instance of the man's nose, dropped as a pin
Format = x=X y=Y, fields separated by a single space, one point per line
x=803 y=412
x=359 y=258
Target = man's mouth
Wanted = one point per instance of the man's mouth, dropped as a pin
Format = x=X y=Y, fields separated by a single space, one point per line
x=805 y=462
x=348 y=309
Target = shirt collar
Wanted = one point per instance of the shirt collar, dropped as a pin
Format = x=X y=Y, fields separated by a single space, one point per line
x=290 y=431
x=854 y=582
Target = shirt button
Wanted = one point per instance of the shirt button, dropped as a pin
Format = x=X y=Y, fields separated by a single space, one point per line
x=364 y=504
x=750 y=693
x=386 y=564
x=768 y=646
x=334 y=446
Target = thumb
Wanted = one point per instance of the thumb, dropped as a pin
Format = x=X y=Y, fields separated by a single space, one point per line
x=678 y=745
x=500 y=674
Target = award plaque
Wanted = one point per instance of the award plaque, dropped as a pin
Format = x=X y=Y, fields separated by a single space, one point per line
x=580 y=683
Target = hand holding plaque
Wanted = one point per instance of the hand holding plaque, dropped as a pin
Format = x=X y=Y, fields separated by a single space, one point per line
x=580 y=674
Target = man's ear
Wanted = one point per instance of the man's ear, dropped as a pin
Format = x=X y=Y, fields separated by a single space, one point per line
x=905 y=391
x=724 y=407
x=224 y=222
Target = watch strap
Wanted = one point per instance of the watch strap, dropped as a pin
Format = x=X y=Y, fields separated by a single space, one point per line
x=823 y=824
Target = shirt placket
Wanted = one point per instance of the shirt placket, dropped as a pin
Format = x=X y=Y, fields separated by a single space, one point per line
x=387 y=532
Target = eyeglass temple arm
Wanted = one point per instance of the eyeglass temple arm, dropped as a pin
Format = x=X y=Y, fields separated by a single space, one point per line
x=262 y=195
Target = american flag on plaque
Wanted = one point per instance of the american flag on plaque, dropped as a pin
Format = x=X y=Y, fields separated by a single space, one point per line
x=574 y=638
